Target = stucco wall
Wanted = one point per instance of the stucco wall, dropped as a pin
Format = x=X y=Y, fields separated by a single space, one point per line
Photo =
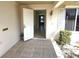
x=61 y=19
x=57 y=22
x=52 y=23
x=8 y=19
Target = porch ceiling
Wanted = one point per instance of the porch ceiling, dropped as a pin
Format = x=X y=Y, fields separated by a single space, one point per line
x=53 y=3
x=71 y=3
x=37 y=2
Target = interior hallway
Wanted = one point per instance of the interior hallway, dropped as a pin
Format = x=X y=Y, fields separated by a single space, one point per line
x=34 y=48
x=39 y=23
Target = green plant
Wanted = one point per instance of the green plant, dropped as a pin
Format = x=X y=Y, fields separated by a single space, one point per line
x=64 y=37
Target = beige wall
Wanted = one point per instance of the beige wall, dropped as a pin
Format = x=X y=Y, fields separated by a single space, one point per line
x=53 y=23
x=8 y=19
x=57 y=22
x=61 y=19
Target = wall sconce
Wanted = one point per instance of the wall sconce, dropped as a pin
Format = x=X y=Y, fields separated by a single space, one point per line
x=51 y=12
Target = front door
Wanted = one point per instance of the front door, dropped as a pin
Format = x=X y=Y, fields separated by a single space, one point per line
x=28 y=23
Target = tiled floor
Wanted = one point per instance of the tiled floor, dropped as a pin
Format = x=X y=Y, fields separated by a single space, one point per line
x=39 y=34
x=34 y=48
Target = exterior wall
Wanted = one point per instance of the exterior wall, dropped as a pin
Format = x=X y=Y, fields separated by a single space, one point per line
x=8 y=19
x=74 y=38
x=61 y=19
x=52 y=25
x=57 y=21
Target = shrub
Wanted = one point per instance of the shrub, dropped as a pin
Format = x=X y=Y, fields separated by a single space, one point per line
x=64 y=37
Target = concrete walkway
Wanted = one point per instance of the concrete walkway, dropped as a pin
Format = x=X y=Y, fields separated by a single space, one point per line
x=34 y=48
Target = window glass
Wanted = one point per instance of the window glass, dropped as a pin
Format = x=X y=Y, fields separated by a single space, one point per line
x=77 y=23
x=70 y=19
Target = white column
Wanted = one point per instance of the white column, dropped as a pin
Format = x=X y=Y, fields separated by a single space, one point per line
x=76 y=19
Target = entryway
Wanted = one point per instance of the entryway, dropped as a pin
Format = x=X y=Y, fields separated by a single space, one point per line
x=39 y=23
x=34 y=23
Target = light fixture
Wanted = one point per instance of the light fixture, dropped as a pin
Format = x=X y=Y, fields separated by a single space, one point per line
x=51 y=12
